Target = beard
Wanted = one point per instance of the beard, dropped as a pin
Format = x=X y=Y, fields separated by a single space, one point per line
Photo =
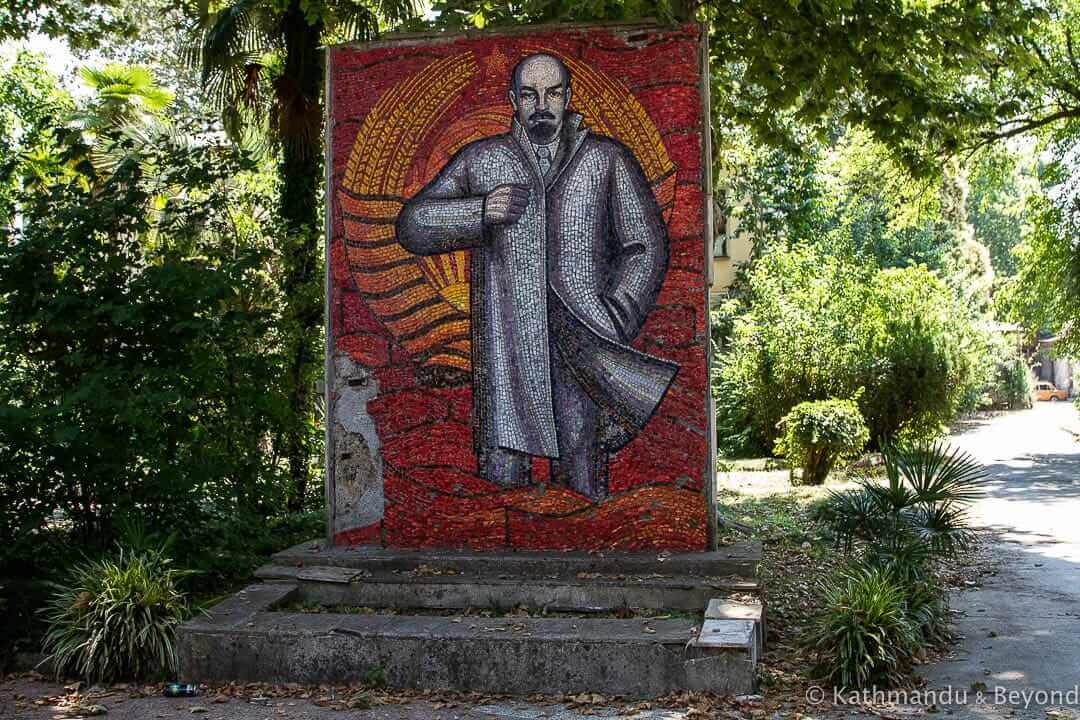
x=542 y=127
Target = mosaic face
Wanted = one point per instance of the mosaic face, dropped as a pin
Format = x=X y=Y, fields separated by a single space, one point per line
x=517 y=292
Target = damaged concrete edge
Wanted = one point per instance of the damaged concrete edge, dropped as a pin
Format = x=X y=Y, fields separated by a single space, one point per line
x=242 y=607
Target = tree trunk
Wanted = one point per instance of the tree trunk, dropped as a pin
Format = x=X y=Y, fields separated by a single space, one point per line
x=299 y=95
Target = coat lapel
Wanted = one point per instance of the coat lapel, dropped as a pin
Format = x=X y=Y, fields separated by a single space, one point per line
x=572 y=136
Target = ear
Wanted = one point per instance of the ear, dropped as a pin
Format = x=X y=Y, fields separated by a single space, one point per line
x=513 y=100
x=567 y=104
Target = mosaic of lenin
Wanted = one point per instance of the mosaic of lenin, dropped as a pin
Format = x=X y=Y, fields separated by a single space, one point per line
x=518 y=292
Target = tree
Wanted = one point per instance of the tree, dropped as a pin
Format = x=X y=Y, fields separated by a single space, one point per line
x=31 y=101
x=1039 y=90
x=879 y=210
x=83 y=24
x=262 y=62
x=901 y=70
x=1045 y=294
x=969 y=270
x=139 y=373
x=1000 y=181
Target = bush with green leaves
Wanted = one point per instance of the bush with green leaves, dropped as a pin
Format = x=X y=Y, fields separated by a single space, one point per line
x=1009 y=383
x=817 y=326
x=116 y=618
x=862 y=634
x=816 y=434
x=145 y=363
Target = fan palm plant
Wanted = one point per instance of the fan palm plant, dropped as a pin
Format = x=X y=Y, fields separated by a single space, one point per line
x=262 y=65
x=918 y=512
x=892 y=601
x=122 y=95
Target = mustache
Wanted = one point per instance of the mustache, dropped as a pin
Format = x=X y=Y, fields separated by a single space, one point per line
x=541 y=115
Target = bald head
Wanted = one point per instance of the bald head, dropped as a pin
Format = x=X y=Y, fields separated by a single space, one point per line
x=540 y=94
x=548 y=64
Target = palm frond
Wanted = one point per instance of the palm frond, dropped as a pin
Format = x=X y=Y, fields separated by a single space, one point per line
x=851 y=515
x=937 y=473
x=235 y=39
x=352 y=22
x=123 y=95
x=944 y=527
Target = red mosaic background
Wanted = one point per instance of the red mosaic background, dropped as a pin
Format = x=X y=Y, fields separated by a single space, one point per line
x=434 y=496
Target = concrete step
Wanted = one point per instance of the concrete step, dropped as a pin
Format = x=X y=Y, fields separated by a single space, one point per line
x=585 y=592
x=740 y=559
x=247 y=640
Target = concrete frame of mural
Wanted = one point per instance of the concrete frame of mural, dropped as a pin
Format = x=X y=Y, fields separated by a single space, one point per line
x=345 y=393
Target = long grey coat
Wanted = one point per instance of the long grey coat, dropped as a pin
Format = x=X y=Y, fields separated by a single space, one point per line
x=577 y=273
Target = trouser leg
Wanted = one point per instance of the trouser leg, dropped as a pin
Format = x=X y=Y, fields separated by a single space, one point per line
x=505 y=467
x=583 y=464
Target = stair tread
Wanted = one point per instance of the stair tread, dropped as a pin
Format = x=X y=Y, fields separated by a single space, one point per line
x=336 y=574
x=510 y=628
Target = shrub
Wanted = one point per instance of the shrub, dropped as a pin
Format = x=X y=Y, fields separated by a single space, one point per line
x=814 y=435
x=144 y=368
x=928 y=610
x=116 y=618
x=817 y=326
x=898 y=528
x=862 y=634
x=1009 y=384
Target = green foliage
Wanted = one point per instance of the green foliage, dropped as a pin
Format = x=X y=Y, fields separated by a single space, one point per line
x=878 y=614
x=999 y=187
x=123 y=95
x=136 y=356
x=143 y=371
x=921 y=357
x=773 y=195
x=862 y=636
x=31 y=104
x=918 y=513
x=1045 y=294
x=902 y=70
x=816 y=434
x=262 y=67
x=116 y=618
x=819 y=326
x=1010 y=383
x=83 y=24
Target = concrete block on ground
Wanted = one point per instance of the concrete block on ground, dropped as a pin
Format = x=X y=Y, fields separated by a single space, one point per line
x=725 y=609
x=726 y=638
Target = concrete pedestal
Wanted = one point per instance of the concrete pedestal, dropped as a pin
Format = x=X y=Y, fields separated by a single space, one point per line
x=419 y=629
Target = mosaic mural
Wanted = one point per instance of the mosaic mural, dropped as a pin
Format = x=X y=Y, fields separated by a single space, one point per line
x=517 y=345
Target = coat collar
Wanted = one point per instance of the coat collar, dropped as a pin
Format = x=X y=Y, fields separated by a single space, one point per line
x=571 y=136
